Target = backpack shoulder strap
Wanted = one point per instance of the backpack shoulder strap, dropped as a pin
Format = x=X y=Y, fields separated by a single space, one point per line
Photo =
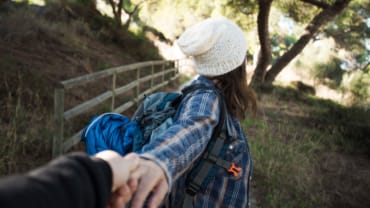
x=209 y=159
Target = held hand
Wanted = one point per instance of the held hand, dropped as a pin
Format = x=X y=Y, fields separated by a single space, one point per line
x=121 y=167
x=151 y=179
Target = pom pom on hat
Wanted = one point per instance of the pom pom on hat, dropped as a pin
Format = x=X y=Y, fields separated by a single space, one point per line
x=217 y=46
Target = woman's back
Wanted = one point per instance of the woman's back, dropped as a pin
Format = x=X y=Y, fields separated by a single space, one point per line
x=221 y=188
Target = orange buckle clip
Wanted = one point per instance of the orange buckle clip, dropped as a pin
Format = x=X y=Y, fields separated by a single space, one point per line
x=234 y=169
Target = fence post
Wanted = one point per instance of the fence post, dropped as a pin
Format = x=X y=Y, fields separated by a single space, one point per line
x=152 y=79
x=114 y=78
x=58 y=121
x=163 y=68
x=176 y=64
x=138 y=82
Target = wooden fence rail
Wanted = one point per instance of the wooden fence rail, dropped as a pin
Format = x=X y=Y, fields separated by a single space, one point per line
x=169 y=72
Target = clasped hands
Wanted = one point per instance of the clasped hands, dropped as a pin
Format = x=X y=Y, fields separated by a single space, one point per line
x=134 y=179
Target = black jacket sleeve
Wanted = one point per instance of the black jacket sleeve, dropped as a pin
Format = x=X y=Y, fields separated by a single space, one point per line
x=75 y=180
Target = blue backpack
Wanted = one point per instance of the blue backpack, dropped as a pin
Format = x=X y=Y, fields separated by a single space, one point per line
x=118 y=132
x=154 y=115
x=124 y=135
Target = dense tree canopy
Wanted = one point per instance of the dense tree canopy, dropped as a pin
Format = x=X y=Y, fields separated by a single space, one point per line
x=346 y=21
x=248 y=13
x=351 y=30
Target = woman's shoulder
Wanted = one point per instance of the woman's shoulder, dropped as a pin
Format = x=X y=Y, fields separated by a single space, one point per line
x=198 y=80
x=199 y=85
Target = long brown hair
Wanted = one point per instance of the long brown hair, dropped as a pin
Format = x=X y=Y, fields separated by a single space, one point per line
x=238 y=96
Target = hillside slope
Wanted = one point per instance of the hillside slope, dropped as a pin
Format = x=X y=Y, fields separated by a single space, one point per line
x=40 y=46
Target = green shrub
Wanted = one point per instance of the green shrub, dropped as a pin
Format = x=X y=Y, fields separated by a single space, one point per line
x=358 y=83
x=328 y=73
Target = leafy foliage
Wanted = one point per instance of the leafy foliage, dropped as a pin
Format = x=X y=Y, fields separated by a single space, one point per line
x=358 y=83
x=299 y=11
x=329 y=72
x=350 y=29
x=280 y=44
x=173 y=16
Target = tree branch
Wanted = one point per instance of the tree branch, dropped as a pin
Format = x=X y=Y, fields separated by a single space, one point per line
x=119 y=8
x=131 y=14
x=363 y=68
x=135 y=8
x=322 y=5
x=112 y=4
x=264 y=58
x=312 y=28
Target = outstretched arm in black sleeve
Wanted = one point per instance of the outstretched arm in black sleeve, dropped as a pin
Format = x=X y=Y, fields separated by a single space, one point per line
x=76 y=180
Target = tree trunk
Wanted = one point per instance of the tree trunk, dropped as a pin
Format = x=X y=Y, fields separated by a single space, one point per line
x=117 y=12
x=365 y=66
x=313 y=27
x=264 y=56
x=131 y=14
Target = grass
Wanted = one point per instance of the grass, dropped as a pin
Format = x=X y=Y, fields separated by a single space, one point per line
x=298 y=145
x=283 y=166
x=23 y=146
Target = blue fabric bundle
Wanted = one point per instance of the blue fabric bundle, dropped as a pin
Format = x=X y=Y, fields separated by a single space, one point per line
x=155 y=113
x=111 y=131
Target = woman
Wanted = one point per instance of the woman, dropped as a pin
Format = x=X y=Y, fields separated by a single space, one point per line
x=218 y=48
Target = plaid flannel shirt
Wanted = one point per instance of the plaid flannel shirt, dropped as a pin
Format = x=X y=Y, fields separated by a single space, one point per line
x=176 y=149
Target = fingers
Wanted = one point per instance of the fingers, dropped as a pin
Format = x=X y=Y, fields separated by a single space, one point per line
x=158 y=195
x=152 y=180
x=144 y=188
x=133 y=161
x=132 y=184
x=116 y=201
x=120 y=197
x=125 y=192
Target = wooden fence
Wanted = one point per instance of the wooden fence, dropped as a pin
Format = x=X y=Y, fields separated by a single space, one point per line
x=168 y=72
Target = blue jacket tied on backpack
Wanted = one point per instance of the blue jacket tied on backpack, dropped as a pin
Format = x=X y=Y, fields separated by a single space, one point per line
x=111 y=131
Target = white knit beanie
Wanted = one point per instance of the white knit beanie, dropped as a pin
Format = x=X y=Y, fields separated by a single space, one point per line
x=217 y=46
